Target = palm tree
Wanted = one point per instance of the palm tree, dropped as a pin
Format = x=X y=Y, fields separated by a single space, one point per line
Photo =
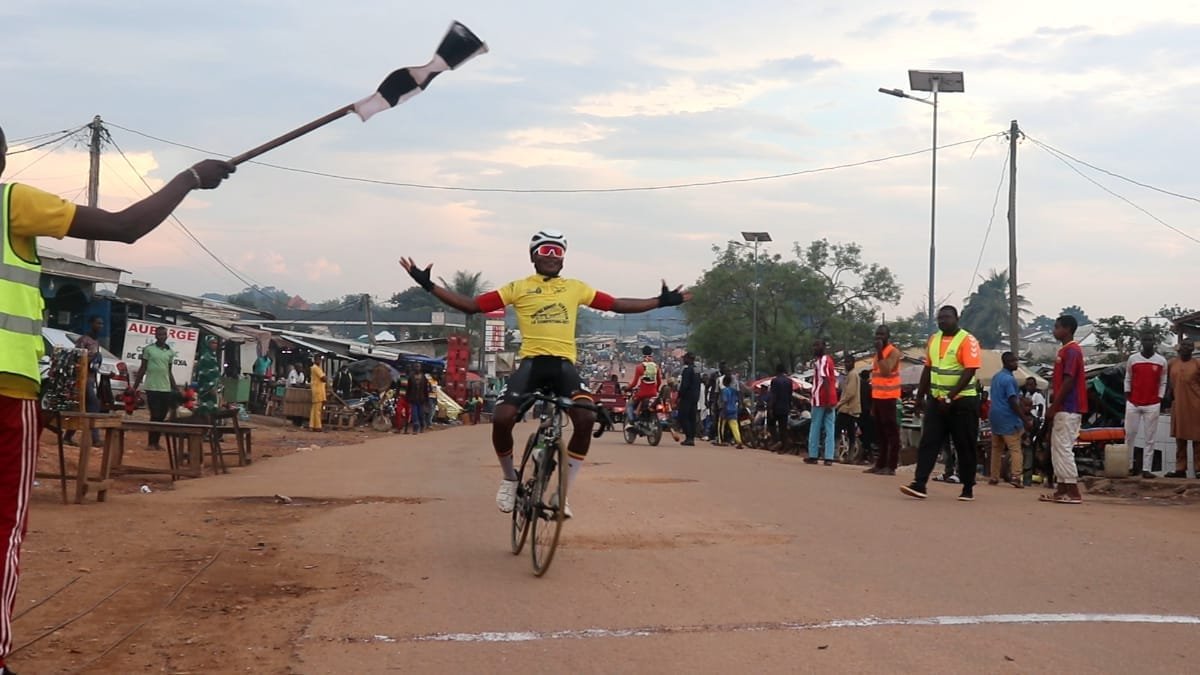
x=470 y=284
x=985 y=312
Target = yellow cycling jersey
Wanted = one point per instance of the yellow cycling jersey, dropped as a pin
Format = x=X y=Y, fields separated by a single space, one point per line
x=546 y=311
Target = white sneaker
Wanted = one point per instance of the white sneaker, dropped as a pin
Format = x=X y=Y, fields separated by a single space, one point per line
x=566 y=509
x=506 y=496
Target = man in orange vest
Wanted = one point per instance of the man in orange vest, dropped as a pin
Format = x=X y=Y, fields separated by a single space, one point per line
x=885 y=394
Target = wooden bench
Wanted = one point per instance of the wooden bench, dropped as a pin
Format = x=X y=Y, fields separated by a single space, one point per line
x=83 y=424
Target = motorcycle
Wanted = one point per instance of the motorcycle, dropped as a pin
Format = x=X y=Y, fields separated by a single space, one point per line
x=647 y=424
x=365 y=407
x=382 y=417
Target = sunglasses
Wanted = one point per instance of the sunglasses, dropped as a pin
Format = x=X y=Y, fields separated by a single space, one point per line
x=550 y=251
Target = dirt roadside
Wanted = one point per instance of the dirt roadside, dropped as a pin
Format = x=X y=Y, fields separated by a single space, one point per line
x=391 y=537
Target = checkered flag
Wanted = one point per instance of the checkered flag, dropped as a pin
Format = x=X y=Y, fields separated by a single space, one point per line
x=459 y=46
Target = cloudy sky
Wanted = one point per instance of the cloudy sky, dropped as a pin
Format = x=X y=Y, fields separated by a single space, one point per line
x=621 y=94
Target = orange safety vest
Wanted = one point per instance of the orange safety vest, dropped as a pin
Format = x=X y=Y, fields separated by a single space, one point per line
x=885 y=387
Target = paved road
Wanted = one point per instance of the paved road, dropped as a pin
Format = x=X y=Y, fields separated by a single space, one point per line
x=715 y=560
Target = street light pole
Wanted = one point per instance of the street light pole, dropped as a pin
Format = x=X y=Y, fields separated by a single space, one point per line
x=934 y=81
x=755 y=237
x=933 y=212
x=754 y=320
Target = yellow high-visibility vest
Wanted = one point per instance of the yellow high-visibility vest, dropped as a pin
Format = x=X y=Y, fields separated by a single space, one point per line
x=21 y=303
x=946 y=370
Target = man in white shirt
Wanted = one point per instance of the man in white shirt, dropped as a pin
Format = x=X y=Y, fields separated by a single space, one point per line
x=1145 y=386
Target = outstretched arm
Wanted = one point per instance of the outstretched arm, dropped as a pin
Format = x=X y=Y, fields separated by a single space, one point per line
x=667 y=298
x=139 y=219
x=422 y=276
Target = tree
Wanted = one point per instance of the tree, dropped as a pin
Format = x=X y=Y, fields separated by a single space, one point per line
x=470 y=284
x=986 y=312
x=1042 y=322
x=1123 y=337
x=910 y=331
x=827 y=290
x=1174 y=313
x=1077 y=312
x=266 y=299
x=414 y=299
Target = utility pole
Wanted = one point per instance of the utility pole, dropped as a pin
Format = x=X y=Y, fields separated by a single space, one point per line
x=366 y=303
x=93 y=189
x=1014 y=307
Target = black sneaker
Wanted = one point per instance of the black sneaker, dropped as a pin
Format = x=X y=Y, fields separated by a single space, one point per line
x=810 y=460
x=914 y=490
x=967 y=495
x=1175 y=474
x=829 y=462
x=1147 y=474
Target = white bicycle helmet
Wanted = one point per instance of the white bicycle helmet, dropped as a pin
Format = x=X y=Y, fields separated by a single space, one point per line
x=548 y=237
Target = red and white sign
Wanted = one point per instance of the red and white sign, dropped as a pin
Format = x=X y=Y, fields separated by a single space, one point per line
x=183 y=339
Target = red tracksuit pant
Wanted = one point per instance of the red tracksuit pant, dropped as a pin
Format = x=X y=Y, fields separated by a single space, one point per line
x=19 y=430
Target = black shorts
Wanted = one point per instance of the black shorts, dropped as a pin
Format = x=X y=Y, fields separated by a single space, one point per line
x=545 y=372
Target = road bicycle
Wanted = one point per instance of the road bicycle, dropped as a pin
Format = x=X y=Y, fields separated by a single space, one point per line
x=542 y=476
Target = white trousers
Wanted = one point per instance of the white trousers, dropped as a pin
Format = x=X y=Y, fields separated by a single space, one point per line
x=1141 y=417
x=1062 y=447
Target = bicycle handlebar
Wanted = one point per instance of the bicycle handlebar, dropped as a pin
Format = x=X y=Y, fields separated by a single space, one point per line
x=561 y=403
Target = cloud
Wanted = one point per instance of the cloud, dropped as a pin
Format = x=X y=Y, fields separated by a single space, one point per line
x=679 y=95
x=952 y=17
x=881 y=24
x=322 y=268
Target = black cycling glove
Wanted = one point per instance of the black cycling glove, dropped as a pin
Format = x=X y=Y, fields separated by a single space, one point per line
x=669 y=298
x=422 y=277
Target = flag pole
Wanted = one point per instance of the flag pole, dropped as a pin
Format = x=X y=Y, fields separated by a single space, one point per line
x=293 y=134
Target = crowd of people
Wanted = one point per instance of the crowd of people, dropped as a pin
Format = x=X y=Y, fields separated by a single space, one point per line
x=854 y=415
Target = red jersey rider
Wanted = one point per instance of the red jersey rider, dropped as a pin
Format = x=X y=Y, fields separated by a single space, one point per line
x=647 y=379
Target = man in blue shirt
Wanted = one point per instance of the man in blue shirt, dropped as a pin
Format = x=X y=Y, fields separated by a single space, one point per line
x=1008 y=420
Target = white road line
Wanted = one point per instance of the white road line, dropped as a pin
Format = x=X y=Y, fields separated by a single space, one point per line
x=865 y=622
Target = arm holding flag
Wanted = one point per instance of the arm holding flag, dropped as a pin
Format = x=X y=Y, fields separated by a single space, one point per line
x=458 y=46
x=140 y=218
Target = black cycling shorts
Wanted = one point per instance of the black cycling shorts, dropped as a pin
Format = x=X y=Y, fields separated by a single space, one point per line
x=545 y=372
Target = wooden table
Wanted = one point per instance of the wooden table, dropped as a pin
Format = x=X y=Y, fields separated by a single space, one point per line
x=181 y=438
x=83 y=424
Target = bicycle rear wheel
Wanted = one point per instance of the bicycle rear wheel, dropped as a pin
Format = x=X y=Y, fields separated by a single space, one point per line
x=522 y=509
x=546 y=520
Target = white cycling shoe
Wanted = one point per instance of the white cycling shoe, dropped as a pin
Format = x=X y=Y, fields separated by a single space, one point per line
x=566 y=509
x=506 y=496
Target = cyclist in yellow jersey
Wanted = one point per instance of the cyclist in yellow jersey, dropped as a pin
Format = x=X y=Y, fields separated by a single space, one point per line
x=546 y=306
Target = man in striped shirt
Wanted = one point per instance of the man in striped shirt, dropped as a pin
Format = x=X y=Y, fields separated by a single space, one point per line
x=1145 y=385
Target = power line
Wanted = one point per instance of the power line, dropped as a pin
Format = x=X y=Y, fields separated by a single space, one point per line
x=245 y=280
x=61 y=136
x=1114 y=174
x=1093 y=181
x=987 y=233
x=642 y=188
x=60 y=142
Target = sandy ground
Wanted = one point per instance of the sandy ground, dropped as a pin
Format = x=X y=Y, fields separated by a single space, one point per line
x=392 y=558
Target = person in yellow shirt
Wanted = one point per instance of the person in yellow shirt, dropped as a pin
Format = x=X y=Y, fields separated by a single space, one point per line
x=27 y=213
x=546 y=305
x=319 y=380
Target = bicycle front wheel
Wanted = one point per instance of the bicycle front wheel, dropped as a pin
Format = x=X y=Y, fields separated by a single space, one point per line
x=548 y=501
x=521 y=510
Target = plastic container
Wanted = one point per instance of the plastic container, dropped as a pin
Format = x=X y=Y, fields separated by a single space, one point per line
x=1116 y=460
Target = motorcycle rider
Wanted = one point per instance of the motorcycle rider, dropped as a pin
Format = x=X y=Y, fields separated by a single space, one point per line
x=647 y=379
